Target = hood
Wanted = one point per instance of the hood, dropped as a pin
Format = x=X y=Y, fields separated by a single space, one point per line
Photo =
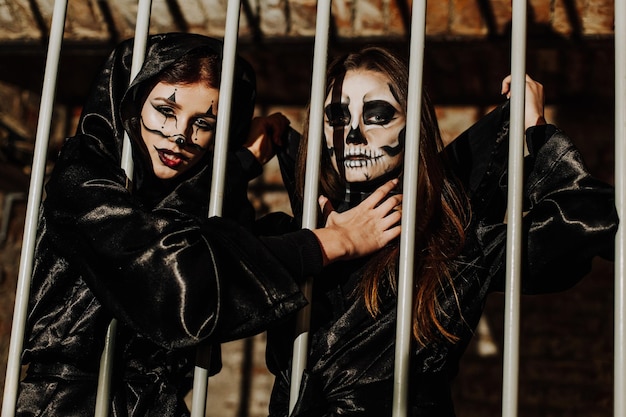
x=112 y=103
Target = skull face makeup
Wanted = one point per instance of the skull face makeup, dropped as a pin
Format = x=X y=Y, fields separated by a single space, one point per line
x=178 y=126
x=364 y=126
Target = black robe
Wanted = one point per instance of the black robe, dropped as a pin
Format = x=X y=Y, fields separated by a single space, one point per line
x=569 y=218
x=150 y=258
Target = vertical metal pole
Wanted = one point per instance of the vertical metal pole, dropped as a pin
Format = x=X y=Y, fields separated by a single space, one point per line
x=142 y=27
x=619 y=375
x=103 y=393
x=32 y=209
x=409 y=208
x=225 y=103
x=514 y=225
x=310 y=205
x=201 y=371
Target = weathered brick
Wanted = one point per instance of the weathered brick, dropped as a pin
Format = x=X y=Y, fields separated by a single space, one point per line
x=467 y=18
x=194 y=15
x=303 y=15
x=124 y=16
x=501 y=14
x=273 y=18
x=343 y=17
x=396 y=16
x=437 y=17
x=540 y=12
x=567 y=17
x=453 y=120
x=85 y=21
x=598 y=17
x=17 y=21
x=215 y=12
x=369 y=19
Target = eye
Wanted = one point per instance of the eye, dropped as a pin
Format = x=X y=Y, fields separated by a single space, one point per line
x=166 y=111
x=205 y=125
x=337 y=114
x=378 y=112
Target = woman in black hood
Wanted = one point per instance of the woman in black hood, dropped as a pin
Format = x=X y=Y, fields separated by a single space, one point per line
x=459 y=242
x=146 y=253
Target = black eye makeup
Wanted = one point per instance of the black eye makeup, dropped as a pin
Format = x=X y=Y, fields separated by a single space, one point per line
x=205 y=125
x=337 y=114
x=165 y=110
x=378 y=112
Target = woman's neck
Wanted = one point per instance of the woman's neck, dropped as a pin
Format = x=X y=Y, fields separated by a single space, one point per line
x=356 y=192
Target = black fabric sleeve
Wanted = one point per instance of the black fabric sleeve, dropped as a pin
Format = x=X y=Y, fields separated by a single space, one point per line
x=299 y=252
x=173 y=277
x=569 y=216
x=287 y=157
x=249 y=164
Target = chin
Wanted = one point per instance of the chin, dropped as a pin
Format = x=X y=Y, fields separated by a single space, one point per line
x=361 y=177
x=166 y=173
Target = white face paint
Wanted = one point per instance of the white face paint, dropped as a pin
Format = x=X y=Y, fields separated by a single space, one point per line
x=178 y=124
x=363 y=125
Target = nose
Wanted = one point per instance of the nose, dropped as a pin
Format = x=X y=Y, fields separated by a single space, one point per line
x=179 y=139
x=355 y=137
x=180 y=131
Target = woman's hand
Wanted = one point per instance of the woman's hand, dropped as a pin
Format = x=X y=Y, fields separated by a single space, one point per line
x=533 y=110
x=265 y=132
x=363 y=229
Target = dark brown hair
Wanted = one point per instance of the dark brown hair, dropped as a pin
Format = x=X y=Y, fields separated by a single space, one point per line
x=197 y=66
x=440 y=226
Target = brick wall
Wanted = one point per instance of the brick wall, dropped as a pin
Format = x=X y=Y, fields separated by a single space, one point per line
x=93 y=20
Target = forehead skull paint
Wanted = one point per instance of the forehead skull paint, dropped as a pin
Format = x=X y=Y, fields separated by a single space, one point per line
x=364 y=126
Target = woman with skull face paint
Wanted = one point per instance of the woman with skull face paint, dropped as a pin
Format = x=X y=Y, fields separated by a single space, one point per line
x=147 y=255
x=459 y=247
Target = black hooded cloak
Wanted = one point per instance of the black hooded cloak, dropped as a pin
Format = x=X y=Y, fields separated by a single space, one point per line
x=150 y=258
x=569 y=218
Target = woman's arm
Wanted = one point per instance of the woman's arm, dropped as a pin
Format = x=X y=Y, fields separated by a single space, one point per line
x=180 y=278
x=176 y=278
x=569 y=216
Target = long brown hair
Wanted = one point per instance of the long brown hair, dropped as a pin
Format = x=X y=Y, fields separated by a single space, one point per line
x=440 y=225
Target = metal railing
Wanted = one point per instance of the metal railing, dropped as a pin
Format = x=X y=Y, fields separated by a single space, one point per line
x=20 y=309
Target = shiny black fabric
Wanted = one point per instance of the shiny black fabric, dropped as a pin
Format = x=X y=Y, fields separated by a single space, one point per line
x=570 y=218
x=150 y=258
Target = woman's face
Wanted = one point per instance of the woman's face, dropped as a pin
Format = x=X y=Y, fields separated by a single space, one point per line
x=364 y=126
x=178 y=126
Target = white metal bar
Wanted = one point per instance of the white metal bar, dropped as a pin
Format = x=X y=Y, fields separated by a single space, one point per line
x=514 y=210
x=310 y=204
x=225 y=103
x=106 y=370
x=231 y=31
x=20 y=311
x=409 y=209
x=142 y=28
x=619 y=340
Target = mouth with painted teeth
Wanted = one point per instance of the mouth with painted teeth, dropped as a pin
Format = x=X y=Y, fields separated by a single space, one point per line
x=359 y=158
